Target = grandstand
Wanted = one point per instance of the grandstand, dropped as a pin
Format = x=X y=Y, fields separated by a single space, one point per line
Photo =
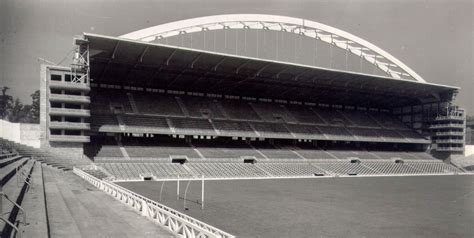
x=131 y=110
x=239 y=119
x=160 y=127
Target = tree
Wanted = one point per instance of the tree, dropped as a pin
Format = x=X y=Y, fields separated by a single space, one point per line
x=34 y=111
x=17 y=111
x=5 y=103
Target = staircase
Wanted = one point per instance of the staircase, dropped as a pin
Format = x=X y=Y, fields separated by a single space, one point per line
x=120 y=122
x=122 y=149
x=132 y=103
x=182 y=106
x=46 y=157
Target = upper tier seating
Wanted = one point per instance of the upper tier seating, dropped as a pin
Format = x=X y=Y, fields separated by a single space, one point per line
x=388 y=121
x=273 y=113
x=336 y=133
x=304 y=114
x=160 y=104
x=146 y=124
x=306 y=131
x=360 y=118
x=271 y=130
x=202 y=107
x=105 y=99
x=169 y=114
x=195 y=126
x=104 y=122
x=365 y=134
x=332 y=116
x=234 y=128
x=239 y=110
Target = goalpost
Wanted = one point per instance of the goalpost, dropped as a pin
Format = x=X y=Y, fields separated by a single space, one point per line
x=186 y=191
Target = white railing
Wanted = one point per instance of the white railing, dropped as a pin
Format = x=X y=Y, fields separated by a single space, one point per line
x=449 y=125
x=179 y=223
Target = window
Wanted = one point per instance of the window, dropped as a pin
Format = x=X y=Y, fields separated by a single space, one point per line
x=56 y=104
x=72 y=133
x=56 y=91
x=55 y=118
x=72 y=106
x=67 y=78
x=72 y=119
x=55 y=77
x=55 y=132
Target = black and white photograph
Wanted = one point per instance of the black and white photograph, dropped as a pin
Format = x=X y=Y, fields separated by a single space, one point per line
x=237 y=118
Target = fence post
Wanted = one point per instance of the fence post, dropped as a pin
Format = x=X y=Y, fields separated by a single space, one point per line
x=144 y=208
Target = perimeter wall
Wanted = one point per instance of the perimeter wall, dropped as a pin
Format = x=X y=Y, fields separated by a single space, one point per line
x=23 y=133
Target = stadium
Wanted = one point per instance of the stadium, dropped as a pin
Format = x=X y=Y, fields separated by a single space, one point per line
x=211 y=144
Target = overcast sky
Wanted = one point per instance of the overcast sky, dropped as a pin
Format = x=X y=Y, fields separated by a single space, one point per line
x=433 y=37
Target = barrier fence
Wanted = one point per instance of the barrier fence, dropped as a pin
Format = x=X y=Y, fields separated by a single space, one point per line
x=179 y=223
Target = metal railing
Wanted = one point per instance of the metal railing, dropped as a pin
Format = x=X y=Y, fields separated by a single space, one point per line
x=12 y=225
x=179 y=223
x=448 y=125
x=2 y=194
x=22 y=175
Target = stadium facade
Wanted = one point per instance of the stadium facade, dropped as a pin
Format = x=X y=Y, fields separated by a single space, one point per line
x=132 y=98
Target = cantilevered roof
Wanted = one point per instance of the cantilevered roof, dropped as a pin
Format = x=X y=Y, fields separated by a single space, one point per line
x=128 y=62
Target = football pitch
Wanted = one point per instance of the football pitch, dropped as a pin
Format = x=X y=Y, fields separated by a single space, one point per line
x=418 y=206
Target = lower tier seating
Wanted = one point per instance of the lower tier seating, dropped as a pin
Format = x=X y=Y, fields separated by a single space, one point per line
x=226 y=170
x=290 y=169
x=139 y=170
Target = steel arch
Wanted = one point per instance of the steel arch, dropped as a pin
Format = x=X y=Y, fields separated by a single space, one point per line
x=339 y=38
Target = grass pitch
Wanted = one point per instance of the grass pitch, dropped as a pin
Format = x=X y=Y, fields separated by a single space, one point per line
x=419 y=206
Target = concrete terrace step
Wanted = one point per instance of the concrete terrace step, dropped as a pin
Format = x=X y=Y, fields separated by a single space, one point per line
x=76 y=209
x=8 y=161
x=59 y=217
x=34 y=205
x=7 y=172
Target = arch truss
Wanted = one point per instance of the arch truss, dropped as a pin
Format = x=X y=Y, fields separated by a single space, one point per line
x=333 y=36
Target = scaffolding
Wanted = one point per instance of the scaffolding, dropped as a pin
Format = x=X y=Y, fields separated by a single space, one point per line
x=80 y=62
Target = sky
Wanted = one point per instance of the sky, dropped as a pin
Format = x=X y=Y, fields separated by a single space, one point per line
x=435 y=38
